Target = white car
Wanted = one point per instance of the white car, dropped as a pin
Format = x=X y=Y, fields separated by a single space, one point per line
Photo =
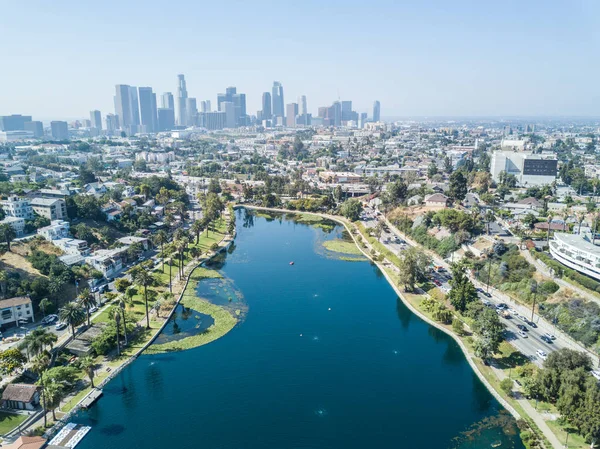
x=60 y=326
x=93 y=309
x=541 y=354
x=550 y=336
x=513 y=311
x=523 y=334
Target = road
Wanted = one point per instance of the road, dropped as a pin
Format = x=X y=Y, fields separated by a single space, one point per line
x=527 y=345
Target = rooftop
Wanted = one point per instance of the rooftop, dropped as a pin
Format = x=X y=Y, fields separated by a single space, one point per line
x=13 y=302
x=578 y=241
x=19 y=392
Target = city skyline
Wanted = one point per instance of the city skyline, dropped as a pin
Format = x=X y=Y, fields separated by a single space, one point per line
x=439 y=59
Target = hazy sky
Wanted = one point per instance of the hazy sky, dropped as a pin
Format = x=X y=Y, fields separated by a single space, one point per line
x=62 y=58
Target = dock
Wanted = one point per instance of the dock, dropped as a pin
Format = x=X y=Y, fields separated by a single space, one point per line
x=69 y=436
x=92 y=397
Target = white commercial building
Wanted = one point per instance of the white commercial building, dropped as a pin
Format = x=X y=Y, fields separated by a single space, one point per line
x=529 y=169
x=17 y=207
x=577 y=252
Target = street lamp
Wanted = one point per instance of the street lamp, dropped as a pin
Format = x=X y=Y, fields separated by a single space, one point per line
x=533 y=286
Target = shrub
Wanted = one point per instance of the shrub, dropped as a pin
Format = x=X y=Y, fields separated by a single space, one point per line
x=457 y=327
x=506 y=386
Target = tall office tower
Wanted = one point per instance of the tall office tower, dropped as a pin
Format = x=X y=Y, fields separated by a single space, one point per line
x=14 y=122
x=60 y=130
x=277 y=96
x=376 y=111
x=239 y=101
x=362 y=120
x=149 y=114
x=37 y=128
x=127 y=108
x=205 y=106
x=215 y=120
x=182 y=95
x=230 y=92
x=221 y=98
x=302 y=106
x=346 y=111
x=208 y=106
x=112 y=124
x=291 y=111
x=96 y=119
x=323 y=111
x=166 y=101
x=166 y=119
x=337 y=113
x=266 y=106
x=191 y=110
x=229 y=109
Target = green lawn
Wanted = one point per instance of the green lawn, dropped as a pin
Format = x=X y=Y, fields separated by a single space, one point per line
x=342 y=246
x=9 y=421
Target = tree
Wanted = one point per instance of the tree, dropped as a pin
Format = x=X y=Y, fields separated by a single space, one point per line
x=413 y=267
x=488 y=329
x=11 y=360
x=122 y=304
x=196 y=229
x=506 y=385
x=117 y=318
x=432 y=170
x=87 y=301
x=463 y=291
x=71 y=314
x=122 y=284
x=458 y=327
x=397 y=191
x=351 y=209
x=458 y=186
x=53 y=393
x=7 y=234
x=37 y=340
x=379 y=229
x=44 y=305
x=88 y=366
x=143 y=278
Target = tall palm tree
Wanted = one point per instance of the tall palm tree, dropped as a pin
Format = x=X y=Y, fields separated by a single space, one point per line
x=87 y=301
x=54 y=392
x=37 y=340
x=160 y=239
x=3 y=281
x=144 y=279
x=7 y=234
x=122 y=304
x=145 y=190
x=117 y=318
x=550 y=217
x=180 y=246
x=88 y=366
x=44 y=305
x=72 y=314
x=196 y=229
x=580 y=218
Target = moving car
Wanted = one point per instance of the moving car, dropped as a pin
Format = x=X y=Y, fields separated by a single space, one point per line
x=60 y=326
x=522 y=334
x=501 y=306
x=513 y=311
x=531 y=324
x=49 y=319
x=522 y=328
x=550 y=336
x=546 y=339
x=541 y=354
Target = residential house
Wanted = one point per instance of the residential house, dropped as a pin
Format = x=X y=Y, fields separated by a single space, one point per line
x=52 y=209
x=18 y=224
x=108 y=261
x=94 y=188
x=132 y=239
x=437 y=200
x=17 y=207
x=21 y=397
x=57 y=229
x=26 y=443
x=15 y=309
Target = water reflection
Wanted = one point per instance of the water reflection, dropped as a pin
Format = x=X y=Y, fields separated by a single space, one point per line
x=404 y=315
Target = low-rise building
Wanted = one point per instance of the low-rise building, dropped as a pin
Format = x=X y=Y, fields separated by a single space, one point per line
x=107 y=261
x=437 y=200
x=21 y=397
x=18 y=224
x=15 y=309
x=51 y=208
x=17 y=207
x=57 y=229
x=577 y=252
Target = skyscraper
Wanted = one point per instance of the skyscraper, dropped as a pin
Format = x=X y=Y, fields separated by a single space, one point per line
x=376 y=111
x=191 y=110
x=347 y=111
x=166 y=119
x=229 y=109
x=149 y=114
x=239 y=101
x=167 y=101
x=96 y=119
x=112 y=124
x=291 y=111
x=302 y=106
x=266 y=106
x=277 y=96
x=337 y=113
x=60 y=130
x=181 y=100
x=14 y=122
x=126 y=107
x=205 y=106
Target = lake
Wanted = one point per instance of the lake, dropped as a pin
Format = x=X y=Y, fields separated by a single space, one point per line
x=326 y=357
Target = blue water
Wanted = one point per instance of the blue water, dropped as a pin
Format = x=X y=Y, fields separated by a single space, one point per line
x=327 y=357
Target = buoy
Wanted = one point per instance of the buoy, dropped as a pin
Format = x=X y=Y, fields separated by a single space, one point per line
x=291 y=263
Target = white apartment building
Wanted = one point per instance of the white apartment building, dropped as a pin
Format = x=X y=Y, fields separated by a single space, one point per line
x=57 y=229
x=17 y=207
x=577 y=252
x=18 y=224
x=14 y=310
x=51 y=208
x=529 y=169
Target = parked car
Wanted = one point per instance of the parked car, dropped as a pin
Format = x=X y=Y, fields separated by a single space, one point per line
x=49 y=319
x=93 y=309
x=541 y=354
x=60 y=326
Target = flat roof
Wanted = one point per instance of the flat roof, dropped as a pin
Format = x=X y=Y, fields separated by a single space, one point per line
x=578 y=242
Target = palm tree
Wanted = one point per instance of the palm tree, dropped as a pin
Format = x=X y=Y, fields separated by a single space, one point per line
x=145 y=190
x=71 y=314
x=196 y=229
x=7 y=234
x=88 y=365
x=164 y=298
x=195 y=252
x=180 y=246
x=145 y=279
x=37 y=340
x=117 y=318
x=550 y=217
x=40 y=363
x=379 y=230
x=580 y=218
x=489 y=217
x=44 y=305
x=3 y=281
x=160 y=239
x=121 y=304
x=53 y=392
x=87 y=301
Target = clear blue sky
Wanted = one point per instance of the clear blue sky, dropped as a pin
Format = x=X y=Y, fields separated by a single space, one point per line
x=62 y=58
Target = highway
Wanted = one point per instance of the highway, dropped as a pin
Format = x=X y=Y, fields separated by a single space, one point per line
x=528 y=345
